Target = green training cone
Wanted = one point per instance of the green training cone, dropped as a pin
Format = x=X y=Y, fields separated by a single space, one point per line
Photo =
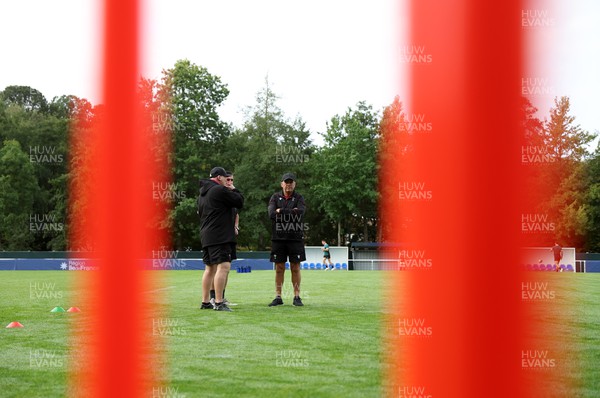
x=14 y=325
x=58 y=309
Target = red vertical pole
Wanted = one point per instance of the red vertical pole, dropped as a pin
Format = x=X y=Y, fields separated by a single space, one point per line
x=459 y=326
x=117 y=343
x=118 y=292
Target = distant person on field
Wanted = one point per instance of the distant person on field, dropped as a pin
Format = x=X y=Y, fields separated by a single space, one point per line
x=286 y=211
x=558 y=255
x=326 y=256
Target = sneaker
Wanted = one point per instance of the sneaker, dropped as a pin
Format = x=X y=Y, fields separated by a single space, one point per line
x=298 y=302
x=225 y=301
x=276 y=301
x=222 y=307
x=212 y=301
x=206 y=306
x=332 y=268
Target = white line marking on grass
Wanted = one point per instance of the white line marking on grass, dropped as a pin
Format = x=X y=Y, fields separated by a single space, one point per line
x=219 y=356
x=158 y=290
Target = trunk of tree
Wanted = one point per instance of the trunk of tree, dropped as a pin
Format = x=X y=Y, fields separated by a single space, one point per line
x=366 y=229
x=339 y=234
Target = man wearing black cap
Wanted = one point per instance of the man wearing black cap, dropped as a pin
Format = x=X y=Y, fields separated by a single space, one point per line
x=236 y=222
x=286 y=210
x=217 y=233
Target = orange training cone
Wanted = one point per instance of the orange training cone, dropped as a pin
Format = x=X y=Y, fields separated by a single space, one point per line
x=14 y=325
x=73 y=309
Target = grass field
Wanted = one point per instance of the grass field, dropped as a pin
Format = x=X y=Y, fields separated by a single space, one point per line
x=328 y=348
x=570 y=322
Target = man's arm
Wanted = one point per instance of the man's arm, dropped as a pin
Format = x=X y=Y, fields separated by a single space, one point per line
x=300 y=206
x=198 y=207
x=298 y=209
x=232 y=197
x=272 y=209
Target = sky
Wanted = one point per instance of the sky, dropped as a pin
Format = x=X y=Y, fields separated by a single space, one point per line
x=564 y=55
x=321 y=56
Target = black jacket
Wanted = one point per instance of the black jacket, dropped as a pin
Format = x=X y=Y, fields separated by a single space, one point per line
x=215 y=205
x=289 y=223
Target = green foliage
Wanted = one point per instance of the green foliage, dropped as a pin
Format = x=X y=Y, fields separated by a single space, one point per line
x=566 y=139
x=590 y=214
x=42 y=131
x=189 y=98
x=195 y=95
x=558 y=185
x=18 y=189
x=24 y=97
x=339 y=180
x=347 y=168
x=532 y=126
x=268 y=145
x=57 y=239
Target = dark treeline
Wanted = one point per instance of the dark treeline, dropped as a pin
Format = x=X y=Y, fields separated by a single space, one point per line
x=43 y=141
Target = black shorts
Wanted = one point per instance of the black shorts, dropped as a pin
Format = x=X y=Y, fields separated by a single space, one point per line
x=287 y=250
x=217 y=254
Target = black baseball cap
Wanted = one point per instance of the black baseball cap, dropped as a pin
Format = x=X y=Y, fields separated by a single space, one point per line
x=288 y=176
x=218 y=171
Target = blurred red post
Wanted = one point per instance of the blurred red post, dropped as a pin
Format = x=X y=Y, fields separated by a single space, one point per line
x=117 y=350
x=457 y=329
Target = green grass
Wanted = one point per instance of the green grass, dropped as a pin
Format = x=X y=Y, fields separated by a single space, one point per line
x=33 y=359
x=329 y=348
x=570 y=324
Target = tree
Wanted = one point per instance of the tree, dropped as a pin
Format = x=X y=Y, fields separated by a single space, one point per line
x=43 y=135
x=18 y=188
x=566 y=140
x=191 y=97
x=533 y=128
x=394 y=151
x=267 y=146
x=84 y=120
x=70 y=107
x=25 y=97
x=590 y=212
x=347 y=185
x=557 y=180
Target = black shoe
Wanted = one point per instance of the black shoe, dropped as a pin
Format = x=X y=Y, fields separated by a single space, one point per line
x=298 y=302
x=222 y=307
x=276 y=301
x=206 y=306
